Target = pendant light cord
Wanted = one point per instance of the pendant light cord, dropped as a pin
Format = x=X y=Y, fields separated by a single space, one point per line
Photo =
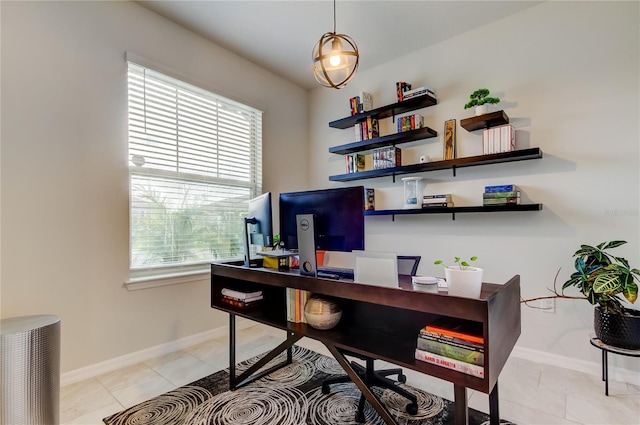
x=334 y=16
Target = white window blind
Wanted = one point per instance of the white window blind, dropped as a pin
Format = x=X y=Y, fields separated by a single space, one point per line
x=195 y=161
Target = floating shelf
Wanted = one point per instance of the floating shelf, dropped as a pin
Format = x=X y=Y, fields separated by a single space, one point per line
x=453 y=164
x=454 y=210
x=390 y=140
x=492 y=119
x=386 y=111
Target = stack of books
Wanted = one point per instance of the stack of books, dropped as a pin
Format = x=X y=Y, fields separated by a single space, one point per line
x=498 y=139
x=443 y=200
x=367 y=129
x=361 y=103
x=241 y=299
x=454 y=344
x=420 y=91
x=296 y=301
x=507 y=194
x=386 y=157
x=354 y=163
x=401 y=88
x=410 y=122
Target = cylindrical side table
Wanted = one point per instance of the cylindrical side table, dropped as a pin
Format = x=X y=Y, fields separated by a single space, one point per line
x=30 y=370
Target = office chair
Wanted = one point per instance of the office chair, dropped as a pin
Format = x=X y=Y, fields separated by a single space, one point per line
x=407 y=265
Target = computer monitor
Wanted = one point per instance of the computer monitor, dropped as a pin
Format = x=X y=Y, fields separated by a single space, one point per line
x=338 y=216
x=258 y=224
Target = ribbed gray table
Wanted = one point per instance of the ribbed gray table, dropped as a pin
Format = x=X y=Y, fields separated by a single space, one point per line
x=30 y=370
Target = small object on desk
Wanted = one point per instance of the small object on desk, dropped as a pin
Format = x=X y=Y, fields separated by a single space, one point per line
x=328 y=276
x=322 y=313
x=425 y=283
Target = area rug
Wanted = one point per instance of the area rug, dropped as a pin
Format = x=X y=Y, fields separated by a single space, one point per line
x=291 y=395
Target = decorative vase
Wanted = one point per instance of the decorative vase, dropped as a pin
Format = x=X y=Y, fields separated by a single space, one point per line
x=465 y=282
x=484 y=109
x=618 y=330
x=322 y=313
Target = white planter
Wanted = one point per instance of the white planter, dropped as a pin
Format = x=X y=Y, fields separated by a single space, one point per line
x=485 y=109
x=464 y=283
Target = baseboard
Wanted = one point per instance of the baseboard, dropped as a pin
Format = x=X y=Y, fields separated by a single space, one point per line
x=591 y=368
x=94 y=370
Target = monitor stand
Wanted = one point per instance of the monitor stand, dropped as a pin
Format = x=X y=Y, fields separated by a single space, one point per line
x=247 y=251
x=307 y=244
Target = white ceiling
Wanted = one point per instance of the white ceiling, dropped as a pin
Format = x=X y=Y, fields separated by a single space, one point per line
x=280 y=35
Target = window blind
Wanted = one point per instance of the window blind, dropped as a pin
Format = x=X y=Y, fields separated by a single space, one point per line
x=195 y=161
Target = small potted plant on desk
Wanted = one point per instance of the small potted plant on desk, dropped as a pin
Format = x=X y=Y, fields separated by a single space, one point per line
x=462 y=279
x=602 y=278
x=482 y=101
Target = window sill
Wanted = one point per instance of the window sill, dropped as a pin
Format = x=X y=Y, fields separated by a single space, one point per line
x=147 y=282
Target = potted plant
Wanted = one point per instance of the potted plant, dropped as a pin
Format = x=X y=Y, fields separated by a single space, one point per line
x=603 y=279
x=482 y=101
x=462 y=279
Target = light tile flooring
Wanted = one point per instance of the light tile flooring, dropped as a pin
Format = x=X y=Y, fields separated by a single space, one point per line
x=530 y=393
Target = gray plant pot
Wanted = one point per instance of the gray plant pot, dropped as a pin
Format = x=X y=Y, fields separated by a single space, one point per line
x=621 y=331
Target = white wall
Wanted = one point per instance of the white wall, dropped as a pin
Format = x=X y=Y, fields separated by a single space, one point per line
x=64 y=168
x=567 y=74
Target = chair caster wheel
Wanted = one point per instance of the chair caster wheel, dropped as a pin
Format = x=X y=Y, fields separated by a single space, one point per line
x=402 y=378
x=360 y=417
x=412 y=409
x=325 y=389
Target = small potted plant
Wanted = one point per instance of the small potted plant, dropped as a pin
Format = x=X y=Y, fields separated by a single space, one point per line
x=482 y=101
x=605 y=281
x=463 y=280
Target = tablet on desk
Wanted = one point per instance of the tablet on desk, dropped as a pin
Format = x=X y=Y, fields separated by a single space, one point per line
x=375 y=268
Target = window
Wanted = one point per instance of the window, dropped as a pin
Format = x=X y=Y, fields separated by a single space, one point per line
x=195 y=161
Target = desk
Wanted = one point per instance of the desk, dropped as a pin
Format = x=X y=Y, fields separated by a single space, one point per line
x=378 y=322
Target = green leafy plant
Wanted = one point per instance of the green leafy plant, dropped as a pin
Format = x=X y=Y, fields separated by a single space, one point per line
x=461 y=263
x=601 y=277
x=479 y=98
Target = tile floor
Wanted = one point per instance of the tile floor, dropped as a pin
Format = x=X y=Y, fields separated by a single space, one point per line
x=530 y=393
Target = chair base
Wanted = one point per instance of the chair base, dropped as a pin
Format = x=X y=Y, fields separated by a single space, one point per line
x=375 y=378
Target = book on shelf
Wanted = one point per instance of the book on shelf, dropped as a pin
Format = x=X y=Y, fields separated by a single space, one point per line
x=451 y=351
x=296 y=301
x=497 y=195
x=366 y=102
x=386 y=157
x=240 y=295
x=437 y=204
x=372 y=128
x=409 y=122
x=420 y=91
x=498 y=139
x=239 y=304
x=501 y=201
x=401 y=87
x=354 y=105
x=370 y=199
x=501 y=188
x=244 y=300
x=445 y=197
x=452 y=341
x=462 y=329
x=457 y=365
x=354 y=163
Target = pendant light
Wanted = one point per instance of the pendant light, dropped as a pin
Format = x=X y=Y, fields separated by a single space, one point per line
x=335 y=58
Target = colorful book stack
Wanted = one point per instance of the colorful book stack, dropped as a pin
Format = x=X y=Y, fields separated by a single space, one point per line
x=454 y=344
x=361 y=103
x=354 y=163
x=241 y=299
x=410 y=122
x=387 y=157
x=420 y=91
x=296 y=300
x=367 y=129
x=507 y=194
x=443 y=200
x=498 y=139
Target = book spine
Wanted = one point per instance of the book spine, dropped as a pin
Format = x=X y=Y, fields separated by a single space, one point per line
x=408 y=96
x=244 y=300
x=454 y=334
x=500 y=188
x=239 y=294
x=401 y=87
x=437 y=204
x=239 y=304
x=370 y=200
x=501 y=201
x=496 y=195
x=457 y=365
x=366 y=101
x=452 y=341
x=451 y=351
x=485 y=142
x=436 y=198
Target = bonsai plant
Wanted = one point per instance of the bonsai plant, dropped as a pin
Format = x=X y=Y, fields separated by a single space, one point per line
x=603 y=279
x=478 y=98
x=463 y=279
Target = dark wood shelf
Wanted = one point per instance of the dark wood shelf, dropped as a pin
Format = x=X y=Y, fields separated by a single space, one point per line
x=454 y=210
x=386 y=111
x=390 y=140
x=453 y=164
x=489 y=120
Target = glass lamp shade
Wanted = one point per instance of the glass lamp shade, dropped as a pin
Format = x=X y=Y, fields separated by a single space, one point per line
x=335 y=60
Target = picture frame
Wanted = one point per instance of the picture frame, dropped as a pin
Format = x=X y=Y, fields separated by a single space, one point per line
x=449 y=139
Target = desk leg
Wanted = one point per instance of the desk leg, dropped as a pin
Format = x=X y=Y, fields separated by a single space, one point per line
x=366 y=392
x=461 y=411
x=494 y=412
x=232 y=350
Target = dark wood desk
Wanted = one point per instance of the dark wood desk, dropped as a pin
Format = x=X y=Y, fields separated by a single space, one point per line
x=379 y=322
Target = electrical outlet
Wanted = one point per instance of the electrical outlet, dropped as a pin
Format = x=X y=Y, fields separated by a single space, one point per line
x=548 y=305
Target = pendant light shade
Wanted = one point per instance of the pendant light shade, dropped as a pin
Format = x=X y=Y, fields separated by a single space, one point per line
x=335 y=58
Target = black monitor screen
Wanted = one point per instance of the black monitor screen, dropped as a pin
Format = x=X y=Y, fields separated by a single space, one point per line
x=261 y=233
x=339 y=217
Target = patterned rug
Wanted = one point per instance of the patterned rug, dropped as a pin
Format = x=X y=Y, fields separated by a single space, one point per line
x=291 y=395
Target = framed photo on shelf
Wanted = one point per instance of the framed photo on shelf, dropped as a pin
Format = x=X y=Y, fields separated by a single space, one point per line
x=449 y=139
